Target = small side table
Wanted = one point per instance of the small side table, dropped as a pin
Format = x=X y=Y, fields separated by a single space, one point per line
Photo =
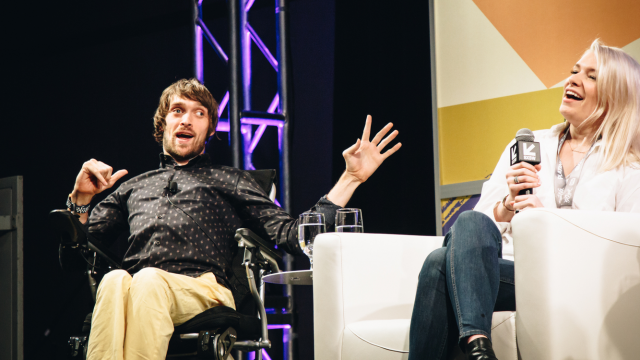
x=301 y=277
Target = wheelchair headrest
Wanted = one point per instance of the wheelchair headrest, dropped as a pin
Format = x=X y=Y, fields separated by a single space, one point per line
x=267 y=179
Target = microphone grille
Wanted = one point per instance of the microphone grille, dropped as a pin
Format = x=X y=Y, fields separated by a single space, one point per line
x=525 y=135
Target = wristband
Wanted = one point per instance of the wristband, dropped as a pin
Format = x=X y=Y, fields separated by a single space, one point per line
x=505 y=204
x=78 y=209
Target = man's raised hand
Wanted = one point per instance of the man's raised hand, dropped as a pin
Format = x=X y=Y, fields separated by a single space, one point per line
x=364 y=157
x=95 y=177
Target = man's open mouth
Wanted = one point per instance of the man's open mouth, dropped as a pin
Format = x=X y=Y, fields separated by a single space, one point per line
x=184 y=136
x=573 y=95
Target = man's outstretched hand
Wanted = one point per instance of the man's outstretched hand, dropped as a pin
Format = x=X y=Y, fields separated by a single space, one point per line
x=362 y=159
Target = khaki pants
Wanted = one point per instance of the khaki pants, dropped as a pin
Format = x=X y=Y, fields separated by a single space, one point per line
x=146 y=307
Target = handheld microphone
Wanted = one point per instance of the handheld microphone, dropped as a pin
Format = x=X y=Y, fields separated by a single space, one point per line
x=527 y=150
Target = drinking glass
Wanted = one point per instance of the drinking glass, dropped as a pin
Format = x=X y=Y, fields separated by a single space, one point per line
x=310 y=225
x=349 y=220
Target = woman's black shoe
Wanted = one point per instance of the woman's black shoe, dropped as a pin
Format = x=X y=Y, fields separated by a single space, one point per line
x=480 y=349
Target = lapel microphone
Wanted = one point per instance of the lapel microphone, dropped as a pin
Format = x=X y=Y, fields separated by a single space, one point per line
x=172 y=186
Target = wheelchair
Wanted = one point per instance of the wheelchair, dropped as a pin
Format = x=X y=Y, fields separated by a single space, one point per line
x=212 y=334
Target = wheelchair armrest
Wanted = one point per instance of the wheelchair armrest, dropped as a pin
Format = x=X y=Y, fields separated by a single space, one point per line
x=247 y=238
x=71 y=232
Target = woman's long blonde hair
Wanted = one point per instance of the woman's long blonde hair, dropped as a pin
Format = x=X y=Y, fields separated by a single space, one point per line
x=617 y=114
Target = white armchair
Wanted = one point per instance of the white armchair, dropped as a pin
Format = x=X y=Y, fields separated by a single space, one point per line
x=364 y=287
x=577 y=284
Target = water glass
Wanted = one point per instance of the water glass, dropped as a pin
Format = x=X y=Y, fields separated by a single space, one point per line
x=310 y=225
x=349 y=220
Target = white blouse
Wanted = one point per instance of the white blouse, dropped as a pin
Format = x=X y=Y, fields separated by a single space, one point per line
x=614 y=190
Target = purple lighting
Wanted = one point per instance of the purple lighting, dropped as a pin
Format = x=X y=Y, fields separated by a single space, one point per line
x=199 y=57
x=212 y=41
x=258 y=121
x=285 y=338
x=274 y=104
x=252 y=356
x=256 y=137
x=246 y=134
x=223 y=125
x=245 y=44
x=264 y=353
x=262 y=47
x=198 y=46
x=223 y=103
x=285 y=326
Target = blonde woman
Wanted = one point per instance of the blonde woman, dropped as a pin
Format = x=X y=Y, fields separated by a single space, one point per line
x=590 y=162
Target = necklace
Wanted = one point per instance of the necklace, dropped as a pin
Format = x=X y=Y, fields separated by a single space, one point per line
x=574 y=150
x=571 y=147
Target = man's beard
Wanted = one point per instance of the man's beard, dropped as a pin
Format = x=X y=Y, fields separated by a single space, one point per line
x=171 y=150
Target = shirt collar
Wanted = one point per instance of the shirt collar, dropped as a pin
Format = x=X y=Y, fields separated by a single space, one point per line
x=166 y=161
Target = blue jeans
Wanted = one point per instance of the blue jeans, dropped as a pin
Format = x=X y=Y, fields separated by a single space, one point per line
x=459 y=288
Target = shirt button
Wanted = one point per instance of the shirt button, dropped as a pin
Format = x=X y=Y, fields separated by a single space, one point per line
x=159 y=216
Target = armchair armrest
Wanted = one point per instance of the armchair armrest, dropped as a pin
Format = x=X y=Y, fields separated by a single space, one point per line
x=578 y=284
x=363 y=277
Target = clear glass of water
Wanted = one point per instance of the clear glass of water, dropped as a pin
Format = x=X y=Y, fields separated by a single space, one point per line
x=310 y=225
x=349 y=220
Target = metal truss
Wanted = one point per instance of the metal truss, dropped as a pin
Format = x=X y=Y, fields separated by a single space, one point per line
x=244 y=124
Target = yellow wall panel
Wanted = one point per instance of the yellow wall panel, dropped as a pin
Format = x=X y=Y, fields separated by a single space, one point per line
x=473 y=135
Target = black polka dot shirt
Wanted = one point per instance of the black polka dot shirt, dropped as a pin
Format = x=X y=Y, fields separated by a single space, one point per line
x=191 y=231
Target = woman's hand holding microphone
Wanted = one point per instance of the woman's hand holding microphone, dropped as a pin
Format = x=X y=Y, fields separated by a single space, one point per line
x=521 y=176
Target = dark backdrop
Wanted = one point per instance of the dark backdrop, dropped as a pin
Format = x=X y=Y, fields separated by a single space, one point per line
x=382 y=68
x=83 y=81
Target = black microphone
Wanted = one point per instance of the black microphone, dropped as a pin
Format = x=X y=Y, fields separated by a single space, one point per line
x=527 y=150
x=172 y=186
